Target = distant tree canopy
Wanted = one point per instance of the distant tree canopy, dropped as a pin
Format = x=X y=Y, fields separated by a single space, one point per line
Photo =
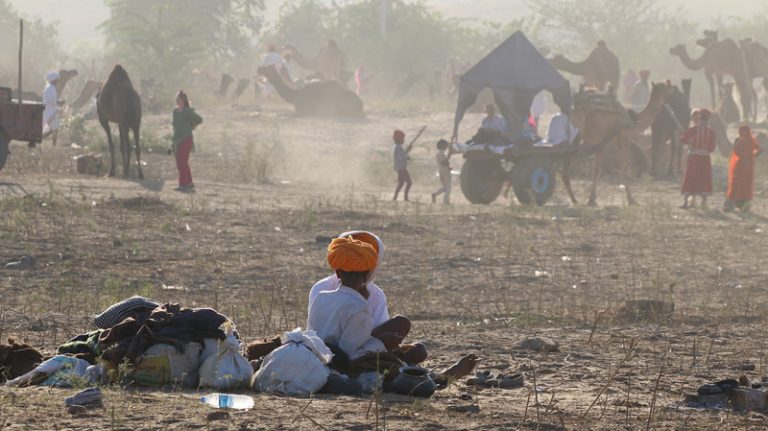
x=418 y=39
x=41 y=51
x=639 y=32
x=164 y=39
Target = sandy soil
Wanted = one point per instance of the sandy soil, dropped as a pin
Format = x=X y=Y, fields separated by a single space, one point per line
x=473 y=279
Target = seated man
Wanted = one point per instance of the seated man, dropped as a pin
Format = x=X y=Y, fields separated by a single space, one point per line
x=493 y=121
x=558 y=130
x=341 y=317
x=376 y=302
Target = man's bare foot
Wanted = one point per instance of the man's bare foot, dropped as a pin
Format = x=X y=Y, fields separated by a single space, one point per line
x=463 y=367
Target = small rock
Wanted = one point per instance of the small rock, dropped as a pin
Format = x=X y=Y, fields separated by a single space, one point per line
x=471 y=408
x=538 y=344
x=745 y=367
x=88 y=397
x=117 y=243
x=217 y=416
x=743 y=399
x=25 y=262
x=75 y=409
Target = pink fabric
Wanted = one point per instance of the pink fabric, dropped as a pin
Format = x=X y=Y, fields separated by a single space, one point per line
x=182 y=162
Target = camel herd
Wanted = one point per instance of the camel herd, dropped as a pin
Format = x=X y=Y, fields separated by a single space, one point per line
x=744 y=62
x=604 y=123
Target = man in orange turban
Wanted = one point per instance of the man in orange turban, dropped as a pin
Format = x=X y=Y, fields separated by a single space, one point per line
x=341 y=317
x=394 y=328
x=350 y=255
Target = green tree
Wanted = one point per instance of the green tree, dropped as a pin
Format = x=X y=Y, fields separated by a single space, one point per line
x=163 y=39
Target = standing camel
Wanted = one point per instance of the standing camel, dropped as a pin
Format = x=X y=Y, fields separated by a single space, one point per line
x=720 y=58
x=756 y=59
x=118 y=102
x=667 y=127
x=599 y=69
x=603 y=121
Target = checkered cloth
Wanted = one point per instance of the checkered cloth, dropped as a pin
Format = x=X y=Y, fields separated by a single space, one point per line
x=115 y=313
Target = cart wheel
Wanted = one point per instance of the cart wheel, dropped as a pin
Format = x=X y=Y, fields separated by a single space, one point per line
x=534 y=177
x=482 y=180
x=4 y=142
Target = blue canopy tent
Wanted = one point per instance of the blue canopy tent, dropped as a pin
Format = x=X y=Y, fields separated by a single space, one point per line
x=515 y=71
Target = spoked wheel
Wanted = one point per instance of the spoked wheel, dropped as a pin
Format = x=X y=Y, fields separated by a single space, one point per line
x=533 y=180
x=482 y=180
x=4 y=151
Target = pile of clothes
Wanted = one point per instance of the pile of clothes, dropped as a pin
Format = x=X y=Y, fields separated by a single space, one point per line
x=144 y=342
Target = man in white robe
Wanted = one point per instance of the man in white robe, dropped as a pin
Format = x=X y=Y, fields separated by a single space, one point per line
x=51 y=102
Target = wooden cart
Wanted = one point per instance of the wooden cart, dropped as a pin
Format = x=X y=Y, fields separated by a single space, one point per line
x=19 y=120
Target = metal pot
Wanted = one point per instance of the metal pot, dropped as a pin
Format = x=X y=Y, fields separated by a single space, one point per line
x=415 y=382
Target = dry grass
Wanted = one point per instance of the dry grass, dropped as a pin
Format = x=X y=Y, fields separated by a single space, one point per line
x=473 y=279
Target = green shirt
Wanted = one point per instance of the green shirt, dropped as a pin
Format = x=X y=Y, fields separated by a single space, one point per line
x=184 y=121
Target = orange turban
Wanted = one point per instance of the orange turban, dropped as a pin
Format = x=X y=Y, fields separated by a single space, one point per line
x=368 y=239
x=351 y=255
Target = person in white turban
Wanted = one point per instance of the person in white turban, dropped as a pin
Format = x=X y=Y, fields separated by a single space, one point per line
x=51 y=102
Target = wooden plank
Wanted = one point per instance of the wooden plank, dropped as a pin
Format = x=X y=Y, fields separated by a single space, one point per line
x=21 y=51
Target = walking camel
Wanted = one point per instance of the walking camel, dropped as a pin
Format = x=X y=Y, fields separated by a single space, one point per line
x=720 y=58
x=599 y=69
x=118 y=102
x=603 y=122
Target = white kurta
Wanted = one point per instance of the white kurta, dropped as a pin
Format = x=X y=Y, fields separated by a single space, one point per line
x=341 y=318
x=558 y=130
x=377 y=300
x=51 y=101
x=272 y=59
x=539 y=105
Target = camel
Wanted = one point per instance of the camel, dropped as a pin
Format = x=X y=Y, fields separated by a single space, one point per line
x=118 y=102
x=406 y=84
x=756 y=59
x=729 y=110
x=64 y=77
x=599 y=69
x=316 y=98
x=667 y=127
x=720 y=58
x=242 y=85
x=226 y=81
x=603 y=121
x=86 y=95
x=330 y=62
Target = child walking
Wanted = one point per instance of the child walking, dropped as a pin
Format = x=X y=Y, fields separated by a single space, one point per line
x=444 y=170
x=401 y=165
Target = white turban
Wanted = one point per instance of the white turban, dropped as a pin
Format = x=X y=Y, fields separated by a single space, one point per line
x=52 y=76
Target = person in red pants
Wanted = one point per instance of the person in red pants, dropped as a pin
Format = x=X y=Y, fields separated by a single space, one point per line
x=185 y=119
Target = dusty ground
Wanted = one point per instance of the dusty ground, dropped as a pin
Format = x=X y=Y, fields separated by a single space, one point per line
x=472 y=278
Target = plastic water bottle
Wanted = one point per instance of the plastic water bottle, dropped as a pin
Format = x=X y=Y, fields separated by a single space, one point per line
x=228 y=401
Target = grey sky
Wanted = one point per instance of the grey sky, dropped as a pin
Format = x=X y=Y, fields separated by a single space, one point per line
x=78 y=19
